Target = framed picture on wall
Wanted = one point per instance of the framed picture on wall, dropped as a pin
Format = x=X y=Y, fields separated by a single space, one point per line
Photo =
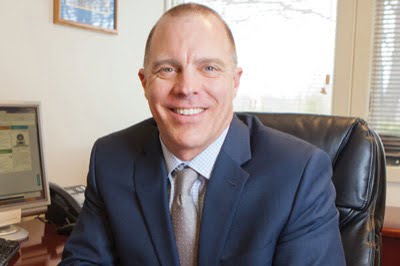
x=98 y=15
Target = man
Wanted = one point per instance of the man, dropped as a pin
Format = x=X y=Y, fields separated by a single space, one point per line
x=257 y=196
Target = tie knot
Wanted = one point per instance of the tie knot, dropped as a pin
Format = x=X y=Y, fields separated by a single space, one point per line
x=184 y=180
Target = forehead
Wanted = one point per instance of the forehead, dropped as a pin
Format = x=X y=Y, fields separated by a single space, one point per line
x=190 y=33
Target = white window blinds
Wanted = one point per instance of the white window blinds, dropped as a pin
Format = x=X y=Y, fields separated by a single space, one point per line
x=384 y=105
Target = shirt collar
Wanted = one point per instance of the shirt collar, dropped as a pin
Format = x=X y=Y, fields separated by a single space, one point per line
x=203 y=163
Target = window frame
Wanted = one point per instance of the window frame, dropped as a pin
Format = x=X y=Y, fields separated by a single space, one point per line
x=353 y=57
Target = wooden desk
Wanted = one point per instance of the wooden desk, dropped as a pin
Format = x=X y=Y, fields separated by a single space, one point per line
x=390 y=247
x=391 y=237
x=44 y=246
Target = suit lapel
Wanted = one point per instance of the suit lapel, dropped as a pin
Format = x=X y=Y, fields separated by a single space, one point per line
x=223 y=192
x=151 y=186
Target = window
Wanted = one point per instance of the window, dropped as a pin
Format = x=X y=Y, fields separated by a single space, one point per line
x=286 y=48
x=384 y=104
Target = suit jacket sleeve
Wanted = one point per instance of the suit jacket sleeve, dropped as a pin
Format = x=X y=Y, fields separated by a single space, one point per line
x=91 y=241
x=311 y=235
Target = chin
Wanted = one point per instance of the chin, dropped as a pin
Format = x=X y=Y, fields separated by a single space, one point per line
x=190 y=141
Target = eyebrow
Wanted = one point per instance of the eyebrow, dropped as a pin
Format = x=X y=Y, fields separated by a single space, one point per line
x=159 y=63
x=217 y=61
x=176 y=64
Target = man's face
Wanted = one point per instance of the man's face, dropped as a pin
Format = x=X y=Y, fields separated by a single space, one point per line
x=190 y=81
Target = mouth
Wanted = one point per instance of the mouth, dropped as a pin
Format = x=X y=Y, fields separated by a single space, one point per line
x=188 y=111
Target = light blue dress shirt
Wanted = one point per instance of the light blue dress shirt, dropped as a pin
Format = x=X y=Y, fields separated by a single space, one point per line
x=203 y=164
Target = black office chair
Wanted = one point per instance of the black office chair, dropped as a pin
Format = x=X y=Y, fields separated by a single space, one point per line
x=359 y=176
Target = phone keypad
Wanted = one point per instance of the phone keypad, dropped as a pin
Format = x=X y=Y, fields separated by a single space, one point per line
x=78 y=192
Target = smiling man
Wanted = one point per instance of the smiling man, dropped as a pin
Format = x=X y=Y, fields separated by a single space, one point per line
x=190 y=79
x=197 y=184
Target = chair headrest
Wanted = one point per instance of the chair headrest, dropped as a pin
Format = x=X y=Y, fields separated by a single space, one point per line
x=350 y=143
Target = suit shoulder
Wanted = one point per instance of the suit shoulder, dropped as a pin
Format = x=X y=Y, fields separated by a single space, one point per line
x=131 y=137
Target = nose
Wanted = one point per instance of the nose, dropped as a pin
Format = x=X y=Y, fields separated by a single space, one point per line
x=186 y=83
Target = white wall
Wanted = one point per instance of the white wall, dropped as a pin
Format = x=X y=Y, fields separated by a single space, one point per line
x=86 y=81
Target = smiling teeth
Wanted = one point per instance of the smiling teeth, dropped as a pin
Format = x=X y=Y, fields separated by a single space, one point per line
x=191 y=111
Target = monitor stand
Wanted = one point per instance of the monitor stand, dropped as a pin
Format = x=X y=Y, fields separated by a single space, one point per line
x=8 y=229
x=13 y=232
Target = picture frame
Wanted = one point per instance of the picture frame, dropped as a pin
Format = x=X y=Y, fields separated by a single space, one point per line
x=97 y=15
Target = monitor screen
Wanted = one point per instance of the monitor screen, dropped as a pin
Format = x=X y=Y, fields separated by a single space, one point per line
x=23 y=183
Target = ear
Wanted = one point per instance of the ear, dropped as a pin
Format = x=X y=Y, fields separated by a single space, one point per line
x=142 y=78
x=236 y=79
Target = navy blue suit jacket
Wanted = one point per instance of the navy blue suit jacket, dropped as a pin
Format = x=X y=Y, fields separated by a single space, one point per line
x=269 y=201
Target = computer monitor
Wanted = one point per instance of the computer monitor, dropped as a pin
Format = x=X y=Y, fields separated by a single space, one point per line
x=24 y=188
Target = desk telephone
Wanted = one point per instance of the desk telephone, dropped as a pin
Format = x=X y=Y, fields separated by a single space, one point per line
x=66 y=203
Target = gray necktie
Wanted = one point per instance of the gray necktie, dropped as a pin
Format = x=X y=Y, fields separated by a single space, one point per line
x=184 y=217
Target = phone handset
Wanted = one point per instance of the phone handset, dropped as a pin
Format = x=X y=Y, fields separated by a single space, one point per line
x=66 y=204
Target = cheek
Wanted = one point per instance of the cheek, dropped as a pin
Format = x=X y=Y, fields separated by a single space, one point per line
x=222 y=91
x=147 y=94
x=157 y=91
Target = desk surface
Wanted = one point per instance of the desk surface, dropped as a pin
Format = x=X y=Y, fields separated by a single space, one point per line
x=44 y=246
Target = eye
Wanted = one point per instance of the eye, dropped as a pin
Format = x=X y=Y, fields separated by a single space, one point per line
x=210 y=68
x=211 y=71
x=166 y=72
x=167 y=69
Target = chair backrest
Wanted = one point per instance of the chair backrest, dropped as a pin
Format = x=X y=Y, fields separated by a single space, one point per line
x=359 y=176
